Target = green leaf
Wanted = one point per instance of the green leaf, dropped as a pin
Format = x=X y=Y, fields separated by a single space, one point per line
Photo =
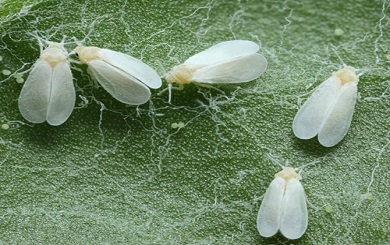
x=121 y=174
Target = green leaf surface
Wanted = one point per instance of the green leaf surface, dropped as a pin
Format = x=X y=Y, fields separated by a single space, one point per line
x=121 y=174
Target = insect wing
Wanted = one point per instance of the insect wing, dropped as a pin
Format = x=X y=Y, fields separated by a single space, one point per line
x=294 y=218
x=62 y=96
x=132 y=66
x=35 y=95
x=223 y=51
x=236 y=70
x=268 y=219
x=308 y=120
x=339 y=118
x=120 y=85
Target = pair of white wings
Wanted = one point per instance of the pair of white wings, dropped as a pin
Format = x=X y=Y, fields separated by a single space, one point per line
x=127 y=79
x=283 y=209
x=328 y=112
x=48 y=93
x=228 y=62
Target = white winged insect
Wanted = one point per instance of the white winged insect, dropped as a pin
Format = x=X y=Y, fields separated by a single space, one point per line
x=227 y=62
x=284 y=207
x=126 y=78
x=328 y=112
x=48 y=93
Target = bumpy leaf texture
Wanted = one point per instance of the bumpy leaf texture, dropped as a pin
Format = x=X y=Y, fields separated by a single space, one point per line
x=123 y=174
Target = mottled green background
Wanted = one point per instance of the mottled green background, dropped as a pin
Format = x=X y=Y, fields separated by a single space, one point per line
x=121 y=174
